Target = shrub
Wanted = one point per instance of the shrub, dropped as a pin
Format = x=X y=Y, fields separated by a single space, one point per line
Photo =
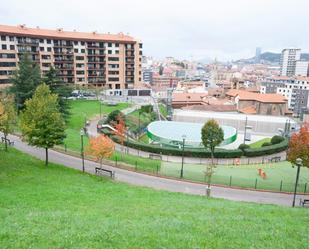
x=276 y=139
x=243 y=147
x=201 y=153
x=113 y=116
x=268 y=150
x=266 y=144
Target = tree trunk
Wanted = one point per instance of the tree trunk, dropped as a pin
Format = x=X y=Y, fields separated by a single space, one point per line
x=5 y=142
x=212 y=155
x=46 y=156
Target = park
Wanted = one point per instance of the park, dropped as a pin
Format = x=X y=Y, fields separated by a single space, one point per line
x=99 y=165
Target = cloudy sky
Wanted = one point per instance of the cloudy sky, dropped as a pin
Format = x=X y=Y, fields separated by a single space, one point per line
x=191 y=29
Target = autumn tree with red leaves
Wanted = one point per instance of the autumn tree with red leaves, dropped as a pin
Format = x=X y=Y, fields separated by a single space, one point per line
x=299 y=146
x=100 y=147
x=120 y=130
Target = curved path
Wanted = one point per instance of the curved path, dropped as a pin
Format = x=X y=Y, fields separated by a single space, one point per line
x=158 y=182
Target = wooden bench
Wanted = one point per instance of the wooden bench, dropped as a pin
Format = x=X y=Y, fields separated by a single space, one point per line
x=304 y=202
x=104 y=172
x=11 y=143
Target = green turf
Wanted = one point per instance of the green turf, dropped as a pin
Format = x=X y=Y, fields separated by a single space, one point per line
x=56 y=207
x=144 y=139
x=258 y=144
x=82 y=110
x=244 y=175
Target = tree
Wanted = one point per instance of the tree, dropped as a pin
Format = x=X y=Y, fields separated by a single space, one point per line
x=25 y=80
x=113 y=117
x=299 y=146
x=100 y=147
x=120 y=130
x=212 y=136
x=42 y=124
x=7 y=116
x=58 y=87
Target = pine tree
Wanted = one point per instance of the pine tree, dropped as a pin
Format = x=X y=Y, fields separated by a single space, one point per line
x=42 y=124
x=57 y=86
x=25 y=80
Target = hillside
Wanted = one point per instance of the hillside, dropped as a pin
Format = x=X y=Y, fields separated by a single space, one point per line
x=271 y=57
x=57 y=207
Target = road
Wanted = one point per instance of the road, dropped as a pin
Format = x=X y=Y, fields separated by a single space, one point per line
x=159 y=183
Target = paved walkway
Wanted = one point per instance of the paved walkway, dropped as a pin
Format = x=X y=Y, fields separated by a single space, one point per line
x=157 y=182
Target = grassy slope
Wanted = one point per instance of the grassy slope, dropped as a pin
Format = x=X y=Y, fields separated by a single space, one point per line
x=56 y=207
x=82 y=110
x=258 y=144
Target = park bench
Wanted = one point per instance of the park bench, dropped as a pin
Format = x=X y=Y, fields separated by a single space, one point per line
x=11 y=143
x=276 y=159
x=304 y=202
x=155 y=156
x=104 y=172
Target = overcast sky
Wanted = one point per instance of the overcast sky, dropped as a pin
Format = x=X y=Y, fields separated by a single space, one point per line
x=197 y=29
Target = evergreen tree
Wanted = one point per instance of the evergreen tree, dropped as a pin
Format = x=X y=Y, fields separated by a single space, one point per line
x=42 y=124
x=58 y=87
x=25 y=80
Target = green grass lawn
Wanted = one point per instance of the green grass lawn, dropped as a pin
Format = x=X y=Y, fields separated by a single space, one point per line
x=258 y=144
x=82 y=110
x=144 y=139
x=244 y=175
x=57 y=207
x=163 y=110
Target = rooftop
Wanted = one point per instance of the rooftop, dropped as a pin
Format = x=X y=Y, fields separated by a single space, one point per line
x=265 y=98
x=22 y=30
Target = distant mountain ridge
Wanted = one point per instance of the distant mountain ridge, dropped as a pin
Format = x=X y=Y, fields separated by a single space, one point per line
x=274 y=57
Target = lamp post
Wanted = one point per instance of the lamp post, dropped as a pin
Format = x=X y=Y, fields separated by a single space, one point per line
x=100 y=109
x=299 y=163
x=183 y=152
x=82 y=133
x=139 y=121
x=245 y=134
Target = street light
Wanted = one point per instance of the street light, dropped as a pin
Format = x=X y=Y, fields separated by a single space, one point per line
x=245 y=134
x=183 y=152
x=82 y=133
x=299 y=163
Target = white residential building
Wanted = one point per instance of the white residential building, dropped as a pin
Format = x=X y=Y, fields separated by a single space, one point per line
x=302 y=68
x=288 y=61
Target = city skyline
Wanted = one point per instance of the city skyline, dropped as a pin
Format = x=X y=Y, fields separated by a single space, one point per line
x=198 y=30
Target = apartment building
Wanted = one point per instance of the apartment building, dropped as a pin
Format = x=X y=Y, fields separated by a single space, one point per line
x=295 y=89
x=302 y=68
x=288 y=60
x=90 y=59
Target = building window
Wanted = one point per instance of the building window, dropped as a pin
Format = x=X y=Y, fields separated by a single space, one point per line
x=41 y=48
x=75 y=50
x=141 y=45
x=48 y=41
x=75 y=42
x=82 y=43
x=12 y=47
x=117 y=45
x=113 y=79
x=110 y=51
x=109 y=44
x=113 y=59
x=3 y=38
x=11 y=38
x=41 y=40
x=49 y=49
x=4 y=47
x=117 y=51
x=82 y=51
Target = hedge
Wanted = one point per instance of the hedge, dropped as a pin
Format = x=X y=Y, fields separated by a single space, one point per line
x=200 y=153
x=268 y=150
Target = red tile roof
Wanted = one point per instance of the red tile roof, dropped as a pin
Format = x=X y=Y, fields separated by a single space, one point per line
x=248 y=110
x=60 y=34
x=265 y=98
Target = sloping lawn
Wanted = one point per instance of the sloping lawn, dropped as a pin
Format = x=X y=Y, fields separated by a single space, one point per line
x=56 y=207
x=82 y=110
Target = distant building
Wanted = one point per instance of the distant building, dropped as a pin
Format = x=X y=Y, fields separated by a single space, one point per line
x=302 y=68
x=147 y=76
x=258 y=52
x=288 y=61
x=257 y=103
